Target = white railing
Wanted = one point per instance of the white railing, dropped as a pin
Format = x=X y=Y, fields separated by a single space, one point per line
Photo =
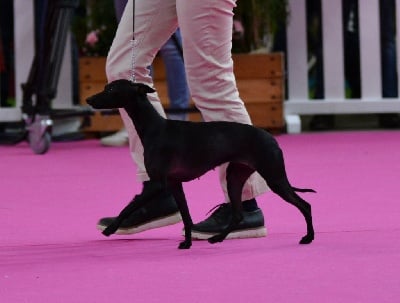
x=334 y=101
x=298 y=102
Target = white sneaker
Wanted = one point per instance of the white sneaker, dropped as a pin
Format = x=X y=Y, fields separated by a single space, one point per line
x=120 y=138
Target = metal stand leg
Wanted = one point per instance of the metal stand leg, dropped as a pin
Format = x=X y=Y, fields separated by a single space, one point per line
x=45 y=71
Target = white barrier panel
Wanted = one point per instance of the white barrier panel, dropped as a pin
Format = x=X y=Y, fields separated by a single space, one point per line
x=24 y=49
x=332 y=34
x=24 y=52
x=335 y=102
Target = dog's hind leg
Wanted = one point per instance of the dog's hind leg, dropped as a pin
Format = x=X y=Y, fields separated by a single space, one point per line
x=285 y=191
x=179 y=196
x=236 y=176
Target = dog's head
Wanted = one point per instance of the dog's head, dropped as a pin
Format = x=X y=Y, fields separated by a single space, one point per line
x=118 y=94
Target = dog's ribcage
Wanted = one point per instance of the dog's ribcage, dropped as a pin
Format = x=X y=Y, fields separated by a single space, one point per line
x=196 y=148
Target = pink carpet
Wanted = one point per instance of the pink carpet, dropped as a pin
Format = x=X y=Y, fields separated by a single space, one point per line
x=50 y=250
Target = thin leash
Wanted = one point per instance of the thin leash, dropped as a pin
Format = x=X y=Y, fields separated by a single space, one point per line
x=133 y=42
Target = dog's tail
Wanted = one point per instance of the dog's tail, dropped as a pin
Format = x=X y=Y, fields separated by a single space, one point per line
x=303 y=190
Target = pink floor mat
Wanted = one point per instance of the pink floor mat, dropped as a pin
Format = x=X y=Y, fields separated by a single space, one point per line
x=50 y=250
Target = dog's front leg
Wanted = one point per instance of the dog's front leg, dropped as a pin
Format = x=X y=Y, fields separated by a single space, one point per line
x=139 y=201
x=179 y=195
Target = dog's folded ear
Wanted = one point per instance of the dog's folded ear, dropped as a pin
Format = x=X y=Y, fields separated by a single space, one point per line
x=144 y=89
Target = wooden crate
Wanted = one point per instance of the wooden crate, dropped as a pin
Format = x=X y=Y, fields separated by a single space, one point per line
x=259 y=79
x=92 y=78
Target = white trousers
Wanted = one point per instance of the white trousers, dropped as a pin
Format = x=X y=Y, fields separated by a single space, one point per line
x=206 y=28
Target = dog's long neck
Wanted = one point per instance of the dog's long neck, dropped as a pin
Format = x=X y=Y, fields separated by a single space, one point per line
x=145 y=117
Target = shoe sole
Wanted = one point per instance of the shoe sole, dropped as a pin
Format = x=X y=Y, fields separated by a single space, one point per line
x=160 y=222
x=258 y=232
x=114 y=144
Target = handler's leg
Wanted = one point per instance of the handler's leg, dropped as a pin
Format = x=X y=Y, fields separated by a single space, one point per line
x=206 y=28
x=155 y=21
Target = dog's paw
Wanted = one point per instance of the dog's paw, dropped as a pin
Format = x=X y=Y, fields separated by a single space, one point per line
x=185 y=245
x=307 y=239
x=216 y=239
x=108 y=231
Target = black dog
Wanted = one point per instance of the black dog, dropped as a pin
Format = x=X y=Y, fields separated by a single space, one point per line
x=179 y=151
